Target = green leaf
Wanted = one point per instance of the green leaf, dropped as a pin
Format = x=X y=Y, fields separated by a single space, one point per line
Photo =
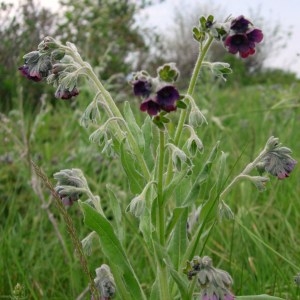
x=180 y=280
x=222 y=165
x=181 y=104
x=154 y=295
x=133 y=126
x=113 y=250
x=177 y=212
x=176 y=180
x=257 y=297
x=115 y=206
x=178 y=242
x=202 y=176
x=136 y=180
x=148 y=137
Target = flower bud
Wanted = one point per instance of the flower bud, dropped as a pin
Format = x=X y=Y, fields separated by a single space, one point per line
x=178 y=157
x=196 y=118
x=105 y=282
x=137 y=205
x=168 y=72
x=225 y=211
x=259 y=182
x=194 y=143
x=31 y=57
x=90 y=115
x=220 y=69
x=58 y=54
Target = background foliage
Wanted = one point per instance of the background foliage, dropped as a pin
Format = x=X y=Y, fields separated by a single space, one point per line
x=250 y=107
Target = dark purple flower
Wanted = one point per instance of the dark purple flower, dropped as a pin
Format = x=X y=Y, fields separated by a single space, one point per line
x=242 y=37
x=166 y=97
x=150 y=106
x=32 y=75
x=240 y=24
x=239 y=43
x=254 y=36
x=65 y=94
x=142 y=88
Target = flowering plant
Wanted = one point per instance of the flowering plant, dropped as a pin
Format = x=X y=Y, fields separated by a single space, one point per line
x=158 y=162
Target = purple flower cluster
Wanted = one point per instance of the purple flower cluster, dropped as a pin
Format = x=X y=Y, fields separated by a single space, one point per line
x=277 y=160
x=156 y=97
x=45 y=63
x=36 y=66
x=242 y=37
x=215 y=283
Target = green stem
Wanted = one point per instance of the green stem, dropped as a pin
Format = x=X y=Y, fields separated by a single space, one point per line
x=160 y=200
x=243 y=174
x=202 y=53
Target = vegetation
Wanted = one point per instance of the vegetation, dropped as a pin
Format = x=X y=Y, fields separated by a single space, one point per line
x=259 y=249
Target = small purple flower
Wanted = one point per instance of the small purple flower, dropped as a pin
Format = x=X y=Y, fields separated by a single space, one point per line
x=142 y=88
x=167 y=97
x=33 y=75
x=277 y=160
x=240 y=24
x=242 y=37
x=254 y=36
x=66 y=94
x=239 y=43
x=150 y=106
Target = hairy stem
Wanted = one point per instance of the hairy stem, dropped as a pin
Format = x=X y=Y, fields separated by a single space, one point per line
x=160 y=200
x=202 y=53
x=243 y=174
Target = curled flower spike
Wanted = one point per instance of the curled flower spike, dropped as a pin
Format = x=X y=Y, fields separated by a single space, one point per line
x=71 y=183
x=242 y=37
x=66 y=94
x=105 y=282
x=277 y=161
x=215 y=283
x=36 y=66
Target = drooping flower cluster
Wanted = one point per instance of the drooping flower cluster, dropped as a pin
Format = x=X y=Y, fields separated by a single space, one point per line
x=215 y=283
x=242 y=37
x=277 y=161
x=36 y=66
x=238 y=35
x=71 y=183
x=159 y=94
x=51 y=62
x=105 y=283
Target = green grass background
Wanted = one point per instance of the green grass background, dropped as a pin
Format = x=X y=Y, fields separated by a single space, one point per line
x=260 y=249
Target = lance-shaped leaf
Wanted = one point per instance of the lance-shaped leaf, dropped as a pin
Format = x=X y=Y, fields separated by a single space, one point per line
x=113 y=251
x=202 y=176
x=136 y=180
x=133 y=126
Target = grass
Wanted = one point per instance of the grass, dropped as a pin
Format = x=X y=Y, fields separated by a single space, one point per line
x=260 y=248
